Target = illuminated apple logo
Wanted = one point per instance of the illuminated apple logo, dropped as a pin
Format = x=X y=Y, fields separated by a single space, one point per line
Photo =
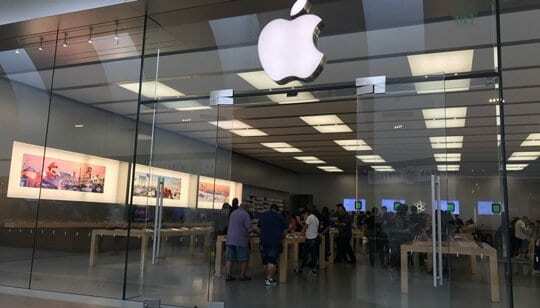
x=288 y=48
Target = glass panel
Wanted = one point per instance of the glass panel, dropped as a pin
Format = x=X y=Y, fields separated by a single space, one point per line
x=177 y=146
x=520 y=60
x=26 y=66
x=402 y=150
x=90 y=144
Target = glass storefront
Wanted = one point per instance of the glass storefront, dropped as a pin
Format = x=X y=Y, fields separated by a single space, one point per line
x=123 y=139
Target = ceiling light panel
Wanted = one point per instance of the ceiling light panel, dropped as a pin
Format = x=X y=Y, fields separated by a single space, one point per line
x=261 y=81
x=446 y=142
x=373 y=159
x=330 y=119
x=152 y=89
x=331 y=129
x=448 y=168
x=186 y=106
x=516 y=167
x=231 y=124
x=330 y=169
x=447 y=157
x=445 y=117
x=274 y=145
x=248 y=132
x=533 y=140
x=441 y=62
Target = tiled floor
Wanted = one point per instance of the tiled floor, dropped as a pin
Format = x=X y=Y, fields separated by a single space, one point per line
x=184 y=280
x=8 y=301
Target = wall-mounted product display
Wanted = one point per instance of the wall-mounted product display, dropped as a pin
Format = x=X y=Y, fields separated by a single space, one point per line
x=489 y=208
x=392 y=205
x=451 y=206
x=213 y=193
x=175 y=190
x=354 y=205
x=61 y=175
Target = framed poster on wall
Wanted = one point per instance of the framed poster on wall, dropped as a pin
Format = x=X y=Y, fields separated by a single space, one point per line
x=61 y=175
x=213 y=193
x=176 y=186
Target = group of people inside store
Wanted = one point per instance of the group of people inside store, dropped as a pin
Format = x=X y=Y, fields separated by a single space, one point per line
x=384 y=232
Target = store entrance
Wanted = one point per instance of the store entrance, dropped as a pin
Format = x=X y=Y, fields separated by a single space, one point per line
x=380 y=163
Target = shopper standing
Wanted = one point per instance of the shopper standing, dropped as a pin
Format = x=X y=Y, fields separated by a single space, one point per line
x=310 y=257
x=238 y=242
x=272 y=227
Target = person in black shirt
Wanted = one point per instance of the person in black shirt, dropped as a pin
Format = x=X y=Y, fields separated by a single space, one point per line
x=345 y=252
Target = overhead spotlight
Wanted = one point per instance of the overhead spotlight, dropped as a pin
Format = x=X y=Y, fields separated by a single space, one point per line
x=65 y=43
x=40 y=48
x=91 y=36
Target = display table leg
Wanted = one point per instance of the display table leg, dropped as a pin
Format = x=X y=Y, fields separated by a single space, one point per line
x=332 y=257
x=404 y=272
x=94 y=248
x=296 y=253
x=474 y=265
x=284 y=262
x=219 y=255
x=494 y=278
x=322 y=253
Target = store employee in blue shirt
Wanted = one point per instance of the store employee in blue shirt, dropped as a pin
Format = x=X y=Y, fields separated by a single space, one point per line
x=272 y=227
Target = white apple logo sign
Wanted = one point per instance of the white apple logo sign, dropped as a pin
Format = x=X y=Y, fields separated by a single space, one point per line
x=288 y=48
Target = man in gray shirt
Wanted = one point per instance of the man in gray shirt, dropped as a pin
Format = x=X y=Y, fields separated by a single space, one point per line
x=238 y=242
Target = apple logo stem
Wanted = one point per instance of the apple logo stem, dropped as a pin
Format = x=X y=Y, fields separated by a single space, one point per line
x=288 y=48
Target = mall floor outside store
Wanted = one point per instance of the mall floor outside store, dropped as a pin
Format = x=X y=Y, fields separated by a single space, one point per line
x=408 y=130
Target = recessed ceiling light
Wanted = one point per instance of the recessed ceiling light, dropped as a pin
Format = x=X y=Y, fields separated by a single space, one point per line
x=373 y=159
x=533 y=140
x=274 y=145
x=383 y=168
x=239 y=128
x=261 y=81
x=186 y=105
x=152 y=89
x=445 y=117
x=516 y=167
x=250 y=132
x=231 y=124
x=310 y=160
x=524 y=156
x=79 y=125
x=288 y=150
x=354 y=145
x=447 y=157
x=326 y=124
x=446 y=142
x=448 y=168
x=281 y=147
x=330 y=119
x=330 y=129
x=330 y=168
x=303 y=158
x=433 y=64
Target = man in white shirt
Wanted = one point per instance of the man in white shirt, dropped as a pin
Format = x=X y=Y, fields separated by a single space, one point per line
x=311 y=245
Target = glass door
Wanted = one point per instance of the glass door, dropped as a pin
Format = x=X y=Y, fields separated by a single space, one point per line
x=424 y=175
x=402 y=151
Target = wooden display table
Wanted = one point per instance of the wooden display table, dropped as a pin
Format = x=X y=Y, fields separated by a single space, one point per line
x=294 y=240
x=357 y=237
x=461 y=247
x=146 y=235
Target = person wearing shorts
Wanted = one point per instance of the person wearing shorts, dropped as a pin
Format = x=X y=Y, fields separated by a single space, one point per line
x=272 y=227
x=238 y=243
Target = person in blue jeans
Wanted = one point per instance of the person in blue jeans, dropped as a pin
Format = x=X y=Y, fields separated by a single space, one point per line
x=272 y=227
x=238 y=243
